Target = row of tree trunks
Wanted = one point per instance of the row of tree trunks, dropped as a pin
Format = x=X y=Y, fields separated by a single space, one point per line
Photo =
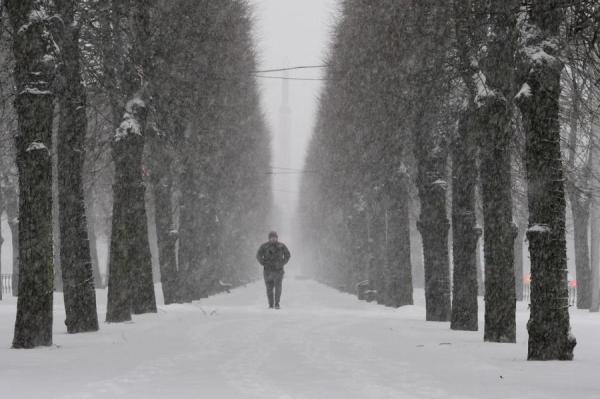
x=35 y=64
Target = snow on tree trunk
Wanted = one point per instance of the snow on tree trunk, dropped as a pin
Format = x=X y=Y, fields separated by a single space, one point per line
x=35 y=62
x=130 y=249
x=465 y=232
x=538 y=76
x=130 y=285
x=75 y=259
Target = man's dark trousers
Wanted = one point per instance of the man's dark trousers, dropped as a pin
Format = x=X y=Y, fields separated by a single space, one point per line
x=273 y=281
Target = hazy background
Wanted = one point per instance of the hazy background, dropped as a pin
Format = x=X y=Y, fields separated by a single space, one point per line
x=291 y=33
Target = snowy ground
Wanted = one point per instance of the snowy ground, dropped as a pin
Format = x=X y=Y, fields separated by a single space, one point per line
x=322 y=344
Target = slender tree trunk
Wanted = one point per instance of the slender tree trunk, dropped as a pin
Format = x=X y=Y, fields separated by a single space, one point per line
x=189 y=242
x=34 y=104
x=75 y=259
x=595 y=223
x=581 y=219
x=595 y=255
x=93 y=240
x=11 y=205
x=464 y=226
x=166 y=236
x=518 y=251
x=549 y=330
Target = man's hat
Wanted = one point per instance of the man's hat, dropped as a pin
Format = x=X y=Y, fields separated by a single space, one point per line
x=273 y=234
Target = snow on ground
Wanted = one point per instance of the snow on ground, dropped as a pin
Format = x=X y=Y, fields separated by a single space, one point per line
x=322 y=344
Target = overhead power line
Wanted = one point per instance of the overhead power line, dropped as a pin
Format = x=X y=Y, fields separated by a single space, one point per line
x=288 y=78
x=291 y=68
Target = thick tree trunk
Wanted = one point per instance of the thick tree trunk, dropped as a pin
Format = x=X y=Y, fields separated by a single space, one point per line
x=549 y=330
x=465 y=232
x=500 y=310
x=581 y=218
x=495 y=115
x=130 y=249
x=75 y=260
x=34 y=104
x=433 y=225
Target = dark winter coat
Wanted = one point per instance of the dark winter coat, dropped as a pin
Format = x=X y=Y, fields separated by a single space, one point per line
x=273 y=255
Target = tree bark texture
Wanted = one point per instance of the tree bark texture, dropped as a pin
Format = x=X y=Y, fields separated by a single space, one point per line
x=433 y=225
x=75 y=259
x=35 y=63
x=495 y=116
x=539 y=76
x=465 y=232
x=132 y=259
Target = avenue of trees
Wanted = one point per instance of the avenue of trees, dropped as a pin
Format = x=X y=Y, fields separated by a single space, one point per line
x=470 y=119
x=156 y=99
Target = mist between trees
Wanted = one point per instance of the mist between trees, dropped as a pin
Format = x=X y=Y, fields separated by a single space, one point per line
x=471 y=122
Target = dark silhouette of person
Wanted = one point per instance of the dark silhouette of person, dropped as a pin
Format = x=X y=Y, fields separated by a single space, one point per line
x=273 y=255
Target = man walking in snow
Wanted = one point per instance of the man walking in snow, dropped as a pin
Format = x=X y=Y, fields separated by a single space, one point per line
x=273 y=255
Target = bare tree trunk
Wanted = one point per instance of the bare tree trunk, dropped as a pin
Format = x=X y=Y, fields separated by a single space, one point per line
x=595 y=221
x=130 y=249
x=11 y=205
x=166 y=235
x=495 y=115
x=595 y=254
x=75 y=259
x=581 y=219
x=519 y=261
x=433 y=225
x=34 y=73
x=464 y=225
x=549 y=330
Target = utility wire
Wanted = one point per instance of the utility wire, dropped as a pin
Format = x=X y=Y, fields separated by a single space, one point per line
x=292 y=68
x=288 y=78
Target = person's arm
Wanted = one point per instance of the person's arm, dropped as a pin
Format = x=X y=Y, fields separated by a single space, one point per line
x=260 y=255
x=286 y=254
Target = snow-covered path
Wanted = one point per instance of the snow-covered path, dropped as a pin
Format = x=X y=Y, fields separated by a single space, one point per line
x=322 y=344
